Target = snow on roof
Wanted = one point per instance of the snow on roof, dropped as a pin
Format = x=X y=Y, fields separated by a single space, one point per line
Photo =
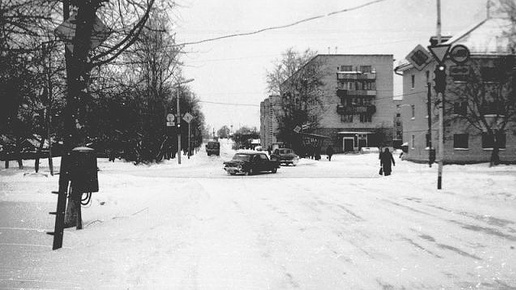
x=490 y=36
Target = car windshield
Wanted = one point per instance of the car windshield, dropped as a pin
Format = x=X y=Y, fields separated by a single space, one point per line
x=243 y=157
x=213 y=145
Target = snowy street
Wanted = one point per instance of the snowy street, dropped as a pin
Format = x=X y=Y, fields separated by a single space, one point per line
x=318 y=225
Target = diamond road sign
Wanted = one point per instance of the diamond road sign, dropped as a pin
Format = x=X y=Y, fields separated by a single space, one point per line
x=188 y=117
x=66 y=31
x=419 y=57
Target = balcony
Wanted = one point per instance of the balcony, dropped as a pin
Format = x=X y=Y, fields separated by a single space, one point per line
x=355 y=93
x=355 y=75
x=352 y=110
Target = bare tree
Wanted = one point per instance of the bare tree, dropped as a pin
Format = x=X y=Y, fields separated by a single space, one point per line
x=124 y=20
x=485 y=100
x=286 y=67
x=297 y=79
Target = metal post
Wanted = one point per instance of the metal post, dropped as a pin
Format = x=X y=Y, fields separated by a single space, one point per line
x=441 y=142
x=429 y=112
x=440 y=97
x=179 y=119
x=49 y=109
x=178 y=126
x=189 y=141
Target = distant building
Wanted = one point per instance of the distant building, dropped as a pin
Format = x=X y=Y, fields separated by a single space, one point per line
x=268 y=121
x=356 y=102
x=487 y=41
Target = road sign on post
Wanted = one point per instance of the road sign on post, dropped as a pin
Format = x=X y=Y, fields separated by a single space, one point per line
x=188 y=117
x=459 y=54
x=66 y=31
x=170 y=120
x=419 y=57
x=440 y=52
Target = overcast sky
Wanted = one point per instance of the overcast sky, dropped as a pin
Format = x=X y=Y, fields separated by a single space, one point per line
x=230 y=73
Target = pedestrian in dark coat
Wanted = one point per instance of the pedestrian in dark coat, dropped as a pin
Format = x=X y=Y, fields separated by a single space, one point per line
x=329 y=152
x=385 y=161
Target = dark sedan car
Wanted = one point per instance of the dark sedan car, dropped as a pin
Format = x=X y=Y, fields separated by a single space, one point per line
x=250 y=163
x=285 y=156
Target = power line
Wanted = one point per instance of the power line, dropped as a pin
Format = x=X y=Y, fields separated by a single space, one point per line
x=280 y=26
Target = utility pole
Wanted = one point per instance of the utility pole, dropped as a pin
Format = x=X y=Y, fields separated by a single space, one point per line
x=178 y=125
x=179 y=83
x=431 y=152
x=441 y=111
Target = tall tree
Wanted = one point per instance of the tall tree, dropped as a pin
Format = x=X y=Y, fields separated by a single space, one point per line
x=297 y=78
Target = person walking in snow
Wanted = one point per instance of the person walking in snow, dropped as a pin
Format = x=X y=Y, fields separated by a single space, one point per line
x=329 y=152
x=385 y=162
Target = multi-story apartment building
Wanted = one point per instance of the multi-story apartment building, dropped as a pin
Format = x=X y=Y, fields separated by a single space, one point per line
x=356 y=105
x=269 y=121
x=488 y=43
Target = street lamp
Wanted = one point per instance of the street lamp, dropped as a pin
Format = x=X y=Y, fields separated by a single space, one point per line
x=179 y=83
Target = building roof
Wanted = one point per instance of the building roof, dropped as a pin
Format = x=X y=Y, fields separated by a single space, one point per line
x=490 y=36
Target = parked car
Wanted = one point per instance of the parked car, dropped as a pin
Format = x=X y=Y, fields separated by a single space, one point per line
x=213 y=147
x=250 y=163
x=285 y=156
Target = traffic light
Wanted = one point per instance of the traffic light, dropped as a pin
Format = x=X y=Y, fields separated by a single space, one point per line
x=440 y=78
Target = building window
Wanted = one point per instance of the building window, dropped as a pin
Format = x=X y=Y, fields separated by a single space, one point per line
x=413 y=110
x=460 y=141
x=412 y=81
x=366 y=69
x=488 y=141
x=366 y=118
x=347 y=118
x=413 y=141
x=346 y=68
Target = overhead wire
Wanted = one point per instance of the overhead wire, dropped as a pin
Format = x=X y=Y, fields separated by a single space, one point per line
x=280 y=26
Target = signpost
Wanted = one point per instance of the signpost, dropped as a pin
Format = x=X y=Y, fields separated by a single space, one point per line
x=419 y=57
x=66 y=31
x=188 y=118
x=459 y=54
x=170 y=120
x=440 y=52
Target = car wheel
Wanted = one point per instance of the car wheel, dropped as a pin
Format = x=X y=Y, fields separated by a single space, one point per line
x=250 y=172
x=274 y=170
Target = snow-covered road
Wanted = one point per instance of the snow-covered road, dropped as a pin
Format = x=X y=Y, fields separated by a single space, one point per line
x=319 y=225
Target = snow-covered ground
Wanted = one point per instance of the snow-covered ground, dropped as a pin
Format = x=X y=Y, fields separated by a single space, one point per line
x=318 y=225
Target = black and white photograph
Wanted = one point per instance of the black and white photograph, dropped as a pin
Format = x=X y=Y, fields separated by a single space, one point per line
x=273 y=144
